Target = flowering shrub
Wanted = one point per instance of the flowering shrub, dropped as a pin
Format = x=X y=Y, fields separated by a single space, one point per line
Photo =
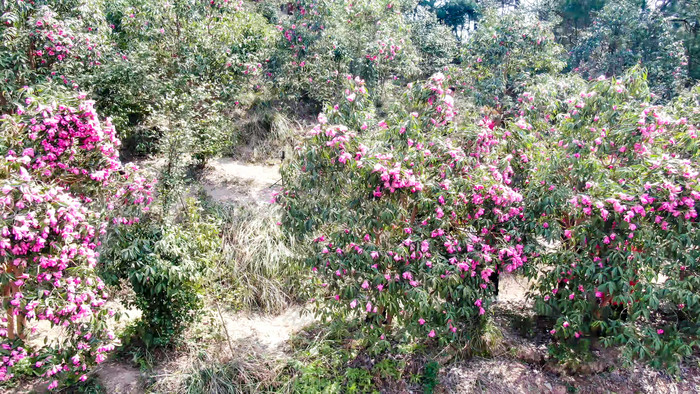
x=612 y=196
x=61 y=41
x=324 y=41
x=409 y=216
x=503 y=56
x=61 y=186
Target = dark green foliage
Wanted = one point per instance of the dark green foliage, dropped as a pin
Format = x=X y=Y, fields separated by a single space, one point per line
x=430 y=376
x=457 y=14
x=623 y=35
x=165 y=263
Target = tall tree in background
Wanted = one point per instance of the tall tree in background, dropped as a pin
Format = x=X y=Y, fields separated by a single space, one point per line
x=627 y=33
x=457 y=14
x=575 y=16
x=685 y=16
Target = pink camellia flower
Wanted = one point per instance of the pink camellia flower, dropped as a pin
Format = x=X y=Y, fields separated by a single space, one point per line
x=344 y=157
x=545 y=225
x=567 y=233
x=439 y=212
x=431 y=333
x=566 y=324
x=353 y=304
x=421 y=321
x=351 y=97
x=659 y=331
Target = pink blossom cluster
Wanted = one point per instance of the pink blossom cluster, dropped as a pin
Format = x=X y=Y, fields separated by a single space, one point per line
x=442 y=102
x=621 y=179
x=62 y=185
x=435 y=214
x=385 y=50
x=57 y=42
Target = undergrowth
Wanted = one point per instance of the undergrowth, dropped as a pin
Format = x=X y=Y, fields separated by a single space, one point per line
x=326 y=358
x=257 y=272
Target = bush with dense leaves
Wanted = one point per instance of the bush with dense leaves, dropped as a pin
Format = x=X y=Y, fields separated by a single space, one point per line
x=503 y=56
x=409 y=216
x=433 y=40
x=62 y=186
x=611 y=194
x=165 y=260
x=624 y=34
x=183 y=66
x=324 y=41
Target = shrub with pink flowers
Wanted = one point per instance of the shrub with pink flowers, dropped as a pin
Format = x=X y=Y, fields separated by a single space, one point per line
x=59 y=41
x=404 y=218
x=61 y=187
x=612 y=197
x=324 y=41
x=504 y=54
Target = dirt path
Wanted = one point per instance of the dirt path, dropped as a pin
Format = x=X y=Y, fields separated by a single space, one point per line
x=233 y=181
x=266 y=333
x=504 y=375
x=228 y=180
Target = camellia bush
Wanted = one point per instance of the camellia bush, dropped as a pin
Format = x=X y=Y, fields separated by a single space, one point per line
x=323 y=41
x=61 y=187
x=612 y=197
x=503 y=56
x=408 y=217
x=63 y=41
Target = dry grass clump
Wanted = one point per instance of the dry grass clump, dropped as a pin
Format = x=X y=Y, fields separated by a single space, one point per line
x=257 y=271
